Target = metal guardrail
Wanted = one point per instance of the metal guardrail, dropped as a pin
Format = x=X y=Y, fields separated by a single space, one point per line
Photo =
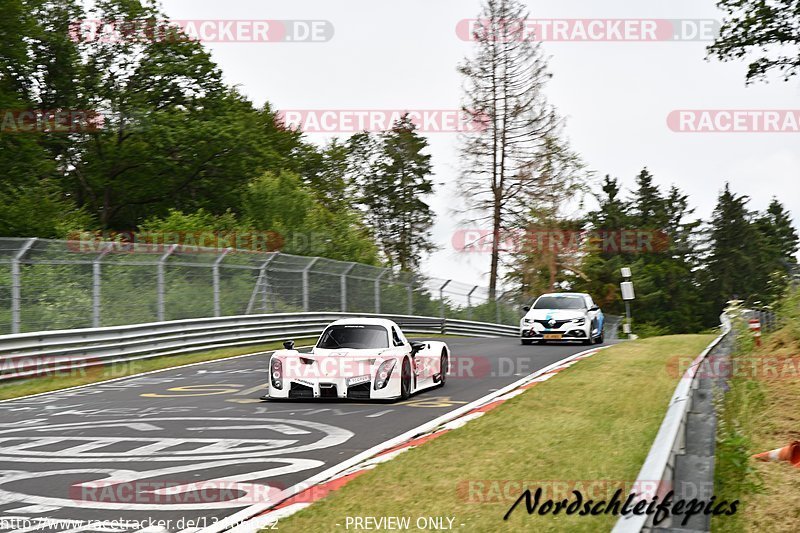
x=29 y=355
x=658 y=468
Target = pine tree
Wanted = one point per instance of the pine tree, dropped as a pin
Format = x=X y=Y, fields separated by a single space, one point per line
x=734 y=264
x=393 y=195
x=779 y=249
x=601 y=263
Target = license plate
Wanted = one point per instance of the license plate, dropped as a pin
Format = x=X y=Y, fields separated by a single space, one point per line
x=552 y=336
x=357 y=380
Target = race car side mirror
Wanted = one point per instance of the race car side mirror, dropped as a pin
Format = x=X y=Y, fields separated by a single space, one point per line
x=416 y=346
x=526 y=308
x=289 y=345
x=594 y=308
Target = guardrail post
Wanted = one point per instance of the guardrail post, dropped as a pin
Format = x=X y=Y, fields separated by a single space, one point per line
x=97 y=284
x=16 y=286
x=441 y=295
x=343 y=287
x=378 y=291
x=160 y=311
x=306 y=304
x=469 y=302
x=215 y=280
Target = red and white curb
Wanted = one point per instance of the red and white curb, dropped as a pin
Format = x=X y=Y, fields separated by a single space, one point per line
x=300 y=496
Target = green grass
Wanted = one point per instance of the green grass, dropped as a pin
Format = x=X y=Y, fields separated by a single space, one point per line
x=593 y=422
x=759 y=413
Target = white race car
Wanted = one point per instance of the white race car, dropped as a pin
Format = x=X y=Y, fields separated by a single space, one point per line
x=358 y=358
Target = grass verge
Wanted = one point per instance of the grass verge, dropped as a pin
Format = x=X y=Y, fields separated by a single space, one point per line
x=589 y=428
x=760 y=413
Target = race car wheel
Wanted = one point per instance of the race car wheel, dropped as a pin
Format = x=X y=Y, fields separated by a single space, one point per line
x=443 y=369
x=588 y=341
x=601 y=338
x=405 y=380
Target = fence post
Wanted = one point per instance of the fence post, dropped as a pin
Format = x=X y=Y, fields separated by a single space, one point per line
x=343 y=287
x=306 y=304
x=96 y=285
x=469 y=301
x=378 y=291
x=160 y=312
x=441 y=295
x=215 y=281
x=16 y=286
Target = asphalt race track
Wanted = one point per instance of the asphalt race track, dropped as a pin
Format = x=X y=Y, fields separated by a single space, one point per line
x=140 y=452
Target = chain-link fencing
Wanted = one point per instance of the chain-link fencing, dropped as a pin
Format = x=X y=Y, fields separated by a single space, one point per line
x=49 y=285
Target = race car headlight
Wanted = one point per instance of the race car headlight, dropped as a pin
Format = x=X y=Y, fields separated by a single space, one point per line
x=276 y=373
x=384 y=373
x=578 y=321
x=526 y=321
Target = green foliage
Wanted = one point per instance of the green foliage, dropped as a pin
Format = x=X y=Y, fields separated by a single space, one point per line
x=393 y=187
x=739 y=412
x=664 y=272
x=283 y=204
x=749 y=253
x=770 y=30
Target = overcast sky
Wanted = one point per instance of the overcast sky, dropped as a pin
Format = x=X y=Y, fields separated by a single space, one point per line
x=616 y=95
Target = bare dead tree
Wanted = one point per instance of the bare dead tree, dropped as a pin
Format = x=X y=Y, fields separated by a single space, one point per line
x=503 y=91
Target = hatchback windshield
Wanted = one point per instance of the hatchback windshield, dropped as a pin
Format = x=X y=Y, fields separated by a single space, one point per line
x=359 y=337
x=559 y=302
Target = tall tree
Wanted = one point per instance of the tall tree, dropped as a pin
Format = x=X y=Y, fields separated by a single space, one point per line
x=601 y=262
x=733 y=266
x=780 y=247
x=781 y=238
x=767 y=28
x=548 y=247
x=503 y=91
x=394 y=196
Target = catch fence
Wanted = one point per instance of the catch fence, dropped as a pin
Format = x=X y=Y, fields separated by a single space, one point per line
x=53 y=285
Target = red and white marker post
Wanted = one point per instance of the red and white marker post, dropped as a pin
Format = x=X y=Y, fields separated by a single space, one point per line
x=755 y=325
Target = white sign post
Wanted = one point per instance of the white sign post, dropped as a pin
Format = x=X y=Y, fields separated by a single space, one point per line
x=628 y=294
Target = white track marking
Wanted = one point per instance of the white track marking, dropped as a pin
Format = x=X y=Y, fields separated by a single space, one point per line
x=381 y=413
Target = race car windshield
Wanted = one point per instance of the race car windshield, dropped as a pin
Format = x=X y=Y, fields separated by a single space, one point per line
x=559 y=302
x=354 y=336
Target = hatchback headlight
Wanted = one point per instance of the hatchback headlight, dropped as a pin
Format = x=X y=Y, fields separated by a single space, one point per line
x=526 y=321
x=579 y=321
